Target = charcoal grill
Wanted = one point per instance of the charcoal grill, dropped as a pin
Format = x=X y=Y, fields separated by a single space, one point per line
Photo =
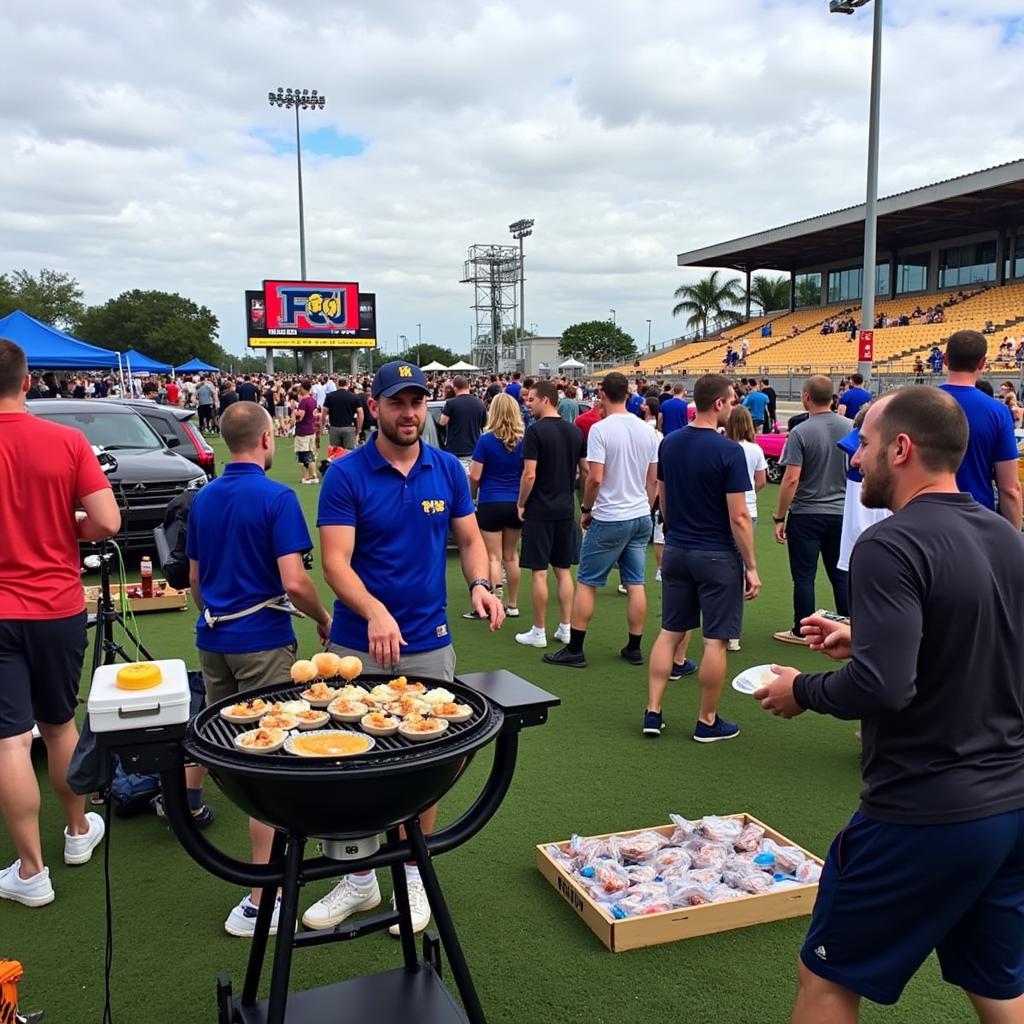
x=346 y=803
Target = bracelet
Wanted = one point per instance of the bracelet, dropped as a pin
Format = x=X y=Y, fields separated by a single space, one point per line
x=486 y=584
x=778 y=521
x=586 y=511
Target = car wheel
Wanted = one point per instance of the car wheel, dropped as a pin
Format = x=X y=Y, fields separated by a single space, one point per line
x=775 y=471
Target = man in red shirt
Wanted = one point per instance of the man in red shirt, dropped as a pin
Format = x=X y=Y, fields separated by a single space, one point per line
x=587 y=419
x=42 y=620
x=173 y=393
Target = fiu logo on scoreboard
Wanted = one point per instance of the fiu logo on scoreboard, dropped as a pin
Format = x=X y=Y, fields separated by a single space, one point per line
x=303 y=306
x=434 y=506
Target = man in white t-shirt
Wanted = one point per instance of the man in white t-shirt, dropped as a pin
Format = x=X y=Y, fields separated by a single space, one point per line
x=319 y=392
x=622 y=457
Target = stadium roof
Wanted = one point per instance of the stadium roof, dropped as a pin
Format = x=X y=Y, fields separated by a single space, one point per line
x=981 y=201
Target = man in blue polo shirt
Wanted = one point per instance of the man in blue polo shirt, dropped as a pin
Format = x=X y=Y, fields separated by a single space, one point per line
x=757 y=402
x=854 y=398
x=246 y=538
x=674 y=411
x=385 y=511
x=991 y=454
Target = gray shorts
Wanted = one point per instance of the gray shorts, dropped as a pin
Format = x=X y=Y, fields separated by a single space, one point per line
x=228 y=674
x=342 y=437
x=439 y=664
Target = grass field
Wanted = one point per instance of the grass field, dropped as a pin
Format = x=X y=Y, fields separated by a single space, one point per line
x=587 y=770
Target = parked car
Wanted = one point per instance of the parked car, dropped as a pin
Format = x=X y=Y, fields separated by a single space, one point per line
x=149 y=473
x=772 y=445
x=174 y=426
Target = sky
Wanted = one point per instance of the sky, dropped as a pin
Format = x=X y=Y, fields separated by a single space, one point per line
x=141 y=151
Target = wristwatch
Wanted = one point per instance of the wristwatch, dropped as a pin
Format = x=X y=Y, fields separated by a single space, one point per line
x=486 y=584
x=586 y=511
x=778 y=521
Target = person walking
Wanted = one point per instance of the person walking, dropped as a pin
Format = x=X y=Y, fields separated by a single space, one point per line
x=344 y=416
x=205 y=405
x=494 y=476
x=852 y=400
x=933 y=673
x=245 y=542
x=674 y=411
x=463 y=418
x=621 y=485
x=756 y=402
x=809 y=516
x=773 y=404
x=990 y=464
x=553 y=452
x=47 y=472
x=709 y=566
x=384 y=516
x=306 y=417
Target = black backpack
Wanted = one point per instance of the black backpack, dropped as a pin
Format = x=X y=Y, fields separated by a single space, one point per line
x=170 y=540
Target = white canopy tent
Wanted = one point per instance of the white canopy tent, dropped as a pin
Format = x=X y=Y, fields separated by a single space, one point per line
x=571 y=364
x=463 y=365
x=433 y=365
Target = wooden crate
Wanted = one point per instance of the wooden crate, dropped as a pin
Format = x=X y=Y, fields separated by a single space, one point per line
x=686 y=922
x=170 y=600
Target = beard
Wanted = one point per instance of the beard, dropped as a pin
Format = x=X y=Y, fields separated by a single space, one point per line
x=877 y=490
x=391 y=432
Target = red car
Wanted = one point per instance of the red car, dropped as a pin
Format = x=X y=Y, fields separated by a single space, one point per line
x=772 y=445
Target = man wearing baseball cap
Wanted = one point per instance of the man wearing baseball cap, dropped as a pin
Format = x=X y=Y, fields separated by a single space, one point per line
x=384 y=516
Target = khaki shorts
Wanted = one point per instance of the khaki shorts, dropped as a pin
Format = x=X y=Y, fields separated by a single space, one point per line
x=227 y=674
x=305 y=443
x=439 y=664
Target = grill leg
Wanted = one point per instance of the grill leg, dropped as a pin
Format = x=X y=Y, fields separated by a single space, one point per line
x=258 y=950
x=443 y=919
x=401 y=891
x=285 y=931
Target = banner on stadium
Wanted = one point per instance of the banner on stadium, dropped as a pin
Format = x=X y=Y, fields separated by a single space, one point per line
x=866 y=347
x=310 y=314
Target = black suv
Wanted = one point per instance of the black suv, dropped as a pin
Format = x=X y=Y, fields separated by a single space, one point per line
x=148 y=475
x=172 y=424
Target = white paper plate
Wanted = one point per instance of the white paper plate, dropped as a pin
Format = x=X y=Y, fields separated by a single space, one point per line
x=255 y=716
x=419 y=737
x=462 y=716
x=260 y=750
x=753 y=679
x=317 y=723
x=387 y=731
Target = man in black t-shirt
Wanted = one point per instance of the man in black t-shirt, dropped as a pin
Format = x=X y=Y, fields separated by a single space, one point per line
x=463 y=417
x=553 y=450
x=773 y=405
x=247 y=391
x=345 y=416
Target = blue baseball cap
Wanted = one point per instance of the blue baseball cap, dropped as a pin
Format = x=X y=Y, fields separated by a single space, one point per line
x=397 y=376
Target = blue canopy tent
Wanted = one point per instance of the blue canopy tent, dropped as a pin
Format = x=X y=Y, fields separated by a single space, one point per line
x=49 y=349
x=196 y=366
x=143 y=364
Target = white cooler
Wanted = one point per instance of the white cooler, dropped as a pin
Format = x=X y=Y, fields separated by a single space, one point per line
x=112 y=709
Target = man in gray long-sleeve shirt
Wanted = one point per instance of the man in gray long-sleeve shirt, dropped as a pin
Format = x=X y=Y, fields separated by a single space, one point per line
x=934 y=858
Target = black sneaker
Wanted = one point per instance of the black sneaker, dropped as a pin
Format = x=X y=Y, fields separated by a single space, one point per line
x=567 y=658
x=653 y=723
x=635 y=657
x=473 y=615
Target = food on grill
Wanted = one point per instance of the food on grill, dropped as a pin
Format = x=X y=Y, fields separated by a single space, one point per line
x=312 y=719
x=402 y=685
x=303 y=672
x=351 y=692
x=451 y=712
x=439 y=695
x=329 y=743
x=349 y=667
x=261 y=741
x=246 y=710
x=279 y=720
x=407 y=705
x=327 y=665
x=376 y=723
x=342 y=710
x=292 y=707
x=320 y=695
x=416 y=727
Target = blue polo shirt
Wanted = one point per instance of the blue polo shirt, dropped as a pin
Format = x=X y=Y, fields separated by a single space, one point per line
x=853 y=399
x=401 y=525
x=239 y=526
x=990 y=440
x=502 y=472
x=674 y=413
x=757 y=403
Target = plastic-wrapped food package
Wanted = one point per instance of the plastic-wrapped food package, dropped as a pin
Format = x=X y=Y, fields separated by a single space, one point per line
x=588 y=850
x=639 y=873
x=710 y=855
x=787 y=858
x=563 y=858
x=686 y=893
x=749 y=840
x=722 y=892
x=673 y=859
x=610 y=877
x=705 y=876
x=808 y=872
x=720 y=830
x=638 y=904
x=747 y=879
x=684 y=830
x=638 y=848
x=739 y=862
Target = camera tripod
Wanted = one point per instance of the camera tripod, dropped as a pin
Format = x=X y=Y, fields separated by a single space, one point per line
x=106 y=648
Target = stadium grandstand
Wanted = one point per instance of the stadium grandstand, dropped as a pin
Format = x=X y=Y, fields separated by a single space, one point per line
x=950 y=256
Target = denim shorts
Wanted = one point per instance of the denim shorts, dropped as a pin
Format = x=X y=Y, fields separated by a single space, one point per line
x=608 y=544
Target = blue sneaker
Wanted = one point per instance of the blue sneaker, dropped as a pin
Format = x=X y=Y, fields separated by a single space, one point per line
x=653 y=723
x=687 y=668
x=721 y=730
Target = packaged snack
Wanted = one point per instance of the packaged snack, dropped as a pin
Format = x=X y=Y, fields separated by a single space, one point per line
x=673 y=859
x=704 y=876
x=641 y=873
x=721 y=892
x=739 y=862
x=684 y=830
x=749 y=840
x=639 y=848
x=808 y=872
x=586 y=850
x=747 y=879
x=610 y=877
x=709 y=854
x=720 y=830
x=686 y=893
x=787 y=858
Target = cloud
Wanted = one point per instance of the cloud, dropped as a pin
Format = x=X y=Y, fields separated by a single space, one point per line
x=141 y=150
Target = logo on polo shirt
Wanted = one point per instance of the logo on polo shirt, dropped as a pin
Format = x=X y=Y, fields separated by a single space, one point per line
x=441 y=631
x=820 y=953
x=433 y=506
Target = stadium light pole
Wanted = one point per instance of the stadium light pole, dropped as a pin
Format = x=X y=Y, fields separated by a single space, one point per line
x=300 y=99
x=648 y=335
x=521 y=229
x=867 y=306
x=612 y=311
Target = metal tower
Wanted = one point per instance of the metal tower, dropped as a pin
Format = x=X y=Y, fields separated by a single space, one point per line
x=493 y=270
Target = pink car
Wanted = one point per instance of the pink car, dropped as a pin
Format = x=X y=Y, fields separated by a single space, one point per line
x=772 y=445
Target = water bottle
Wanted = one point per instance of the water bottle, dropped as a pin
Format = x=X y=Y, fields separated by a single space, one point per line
x=146 y=575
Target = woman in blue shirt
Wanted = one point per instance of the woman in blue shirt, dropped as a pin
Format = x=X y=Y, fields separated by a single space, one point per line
x=494 y=475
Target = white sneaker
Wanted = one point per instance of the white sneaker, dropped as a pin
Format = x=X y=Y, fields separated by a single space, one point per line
x=533 y=637
x=78 y=849
x=241 y=922
x=657 y=576
x=622 y=589
x=733 y=645
x=511 y=613
x=344 y=900
x=36 y=891
x=562 y=633
x=419 y=908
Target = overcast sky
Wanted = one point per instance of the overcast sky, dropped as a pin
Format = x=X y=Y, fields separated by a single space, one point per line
x=140 y=150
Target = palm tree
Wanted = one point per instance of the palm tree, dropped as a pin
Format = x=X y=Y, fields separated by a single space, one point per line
x=708 y=299
x=768 y=293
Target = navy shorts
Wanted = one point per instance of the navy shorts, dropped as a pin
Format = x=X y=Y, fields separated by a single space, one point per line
x=40 y=669
x=890 y=894
x=702 y=588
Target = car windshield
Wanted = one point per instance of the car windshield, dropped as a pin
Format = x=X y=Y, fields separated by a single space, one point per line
x=115 y=432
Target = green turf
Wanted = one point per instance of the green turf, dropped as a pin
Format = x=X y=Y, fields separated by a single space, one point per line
x=587 y=770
